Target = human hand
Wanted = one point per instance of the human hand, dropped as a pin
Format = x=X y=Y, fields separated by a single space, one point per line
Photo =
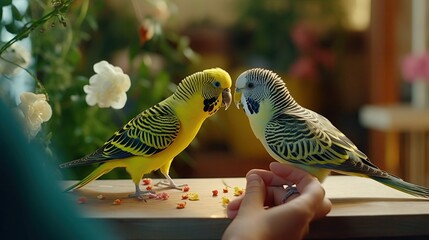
x=261 y=214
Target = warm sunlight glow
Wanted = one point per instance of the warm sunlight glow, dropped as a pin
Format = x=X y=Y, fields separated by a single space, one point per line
x=357 y=14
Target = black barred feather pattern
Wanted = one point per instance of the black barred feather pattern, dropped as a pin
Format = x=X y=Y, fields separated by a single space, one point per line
x=148 y=133
x=202 y=84
x=295 y=143
x=192 y=84
x=276 y=90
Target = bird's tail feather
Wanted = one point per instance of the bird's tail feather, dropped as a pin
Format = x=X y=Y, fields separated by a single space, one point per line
x=92 y=176
x=403 y=186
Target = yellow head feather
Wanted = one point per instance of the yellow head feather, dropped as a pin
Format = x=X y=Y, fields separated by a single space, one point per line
x=221 y=75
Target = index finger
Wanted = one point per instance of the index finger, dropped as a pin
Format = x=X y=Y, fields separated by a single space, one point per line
x=254 y=195
x=308 y=186
x=282 y=174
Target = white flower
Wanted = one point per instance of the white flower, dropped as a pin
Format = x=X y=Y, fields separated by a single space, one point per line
x=36 y=111
x=13 y=58
x=147 y=30
x=161 y=11
x=107 y=87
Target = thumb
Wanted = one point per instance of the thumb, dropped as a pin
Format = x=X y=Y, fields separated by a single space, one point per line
x=254 y=196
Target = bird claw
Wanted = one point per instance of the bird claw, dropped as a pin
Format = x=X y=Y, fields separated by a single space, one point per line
x=290 y=190
x=141 y=194
x=171 y=184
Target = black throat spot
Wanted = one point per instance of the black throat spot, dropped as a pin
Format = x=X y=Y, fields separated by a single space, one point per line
x=252 y=105
x=209 y=104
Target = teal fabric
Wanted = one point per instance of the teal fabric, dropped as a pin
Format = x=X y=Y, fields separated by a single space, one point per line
x=33 y=205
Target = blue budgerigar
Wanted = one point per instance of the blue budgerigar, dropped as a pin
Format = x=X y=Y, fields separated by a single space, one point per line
x=293 y=134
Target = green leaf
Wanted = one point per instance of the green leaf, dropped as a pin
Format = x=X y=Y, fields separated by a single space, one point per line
x=160 y=85
x=16 y=14
x=74 y=56
x=12 y=28
x=4 y=3
x=92 y=22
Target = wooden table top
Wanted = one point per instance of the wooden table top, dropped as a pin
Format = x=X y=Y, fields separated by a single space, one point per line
x=361 y=208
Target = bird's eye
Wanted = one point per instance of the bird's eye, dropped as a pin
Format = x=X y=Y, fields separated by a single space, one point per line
x=216 y=84
x=250 y=85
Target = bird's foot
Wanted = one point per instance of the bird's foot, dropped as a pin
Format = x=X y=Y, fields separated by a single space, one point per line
x=290 y=190
x=171 y=184
x=141 y=194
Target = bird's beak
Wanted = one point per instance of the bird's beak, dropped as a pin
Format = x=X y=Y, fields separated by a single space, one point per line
x=237 y=98
x=226 y=98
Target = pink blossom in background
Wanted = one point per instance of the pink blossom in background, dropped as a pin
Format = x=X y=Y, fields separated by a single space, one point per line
x=415 y=67
x=313 y=57
x=325 y=57
x=304 y=68
x=304 y=37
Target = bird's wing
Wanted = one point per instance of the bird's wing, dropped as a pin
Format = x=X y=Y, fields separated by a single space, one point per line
x=308 y=139
x=144 y=135
x=150 y=132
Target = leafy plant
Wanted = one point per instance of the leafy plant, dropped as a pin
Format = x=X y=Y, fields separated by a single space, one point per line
x=263 y=33
x=67 y=39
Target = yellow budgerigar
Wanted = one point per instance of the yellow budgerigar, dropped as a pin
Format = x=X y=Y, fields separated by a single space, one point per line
x=293 y=134
x=153 y=138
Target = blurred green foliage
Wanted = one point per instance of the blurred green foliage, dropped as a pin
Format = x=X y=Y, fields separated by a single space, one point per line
x=68 y=38
x=263 y=33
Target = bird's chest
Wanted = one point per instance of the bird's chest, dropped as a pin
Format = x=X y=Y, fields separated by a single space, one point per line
x=258 y=121
x=191 y=116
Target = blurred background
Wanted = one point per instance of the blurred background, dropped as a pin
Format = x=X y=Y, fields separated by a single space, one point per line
x=340 y=58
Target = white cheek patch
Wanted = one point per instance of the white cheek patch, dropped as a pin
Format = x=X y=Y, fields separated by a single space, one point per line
x=244 y=105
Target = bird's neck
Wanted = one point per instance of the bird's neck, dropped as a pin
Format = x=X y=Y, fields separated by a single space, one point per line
x=282 y=102
x=259 y=121
x=189 y=110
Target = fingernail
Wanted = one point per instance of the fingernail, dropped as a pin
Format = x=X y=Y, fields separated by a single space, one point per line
x=253 y=177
